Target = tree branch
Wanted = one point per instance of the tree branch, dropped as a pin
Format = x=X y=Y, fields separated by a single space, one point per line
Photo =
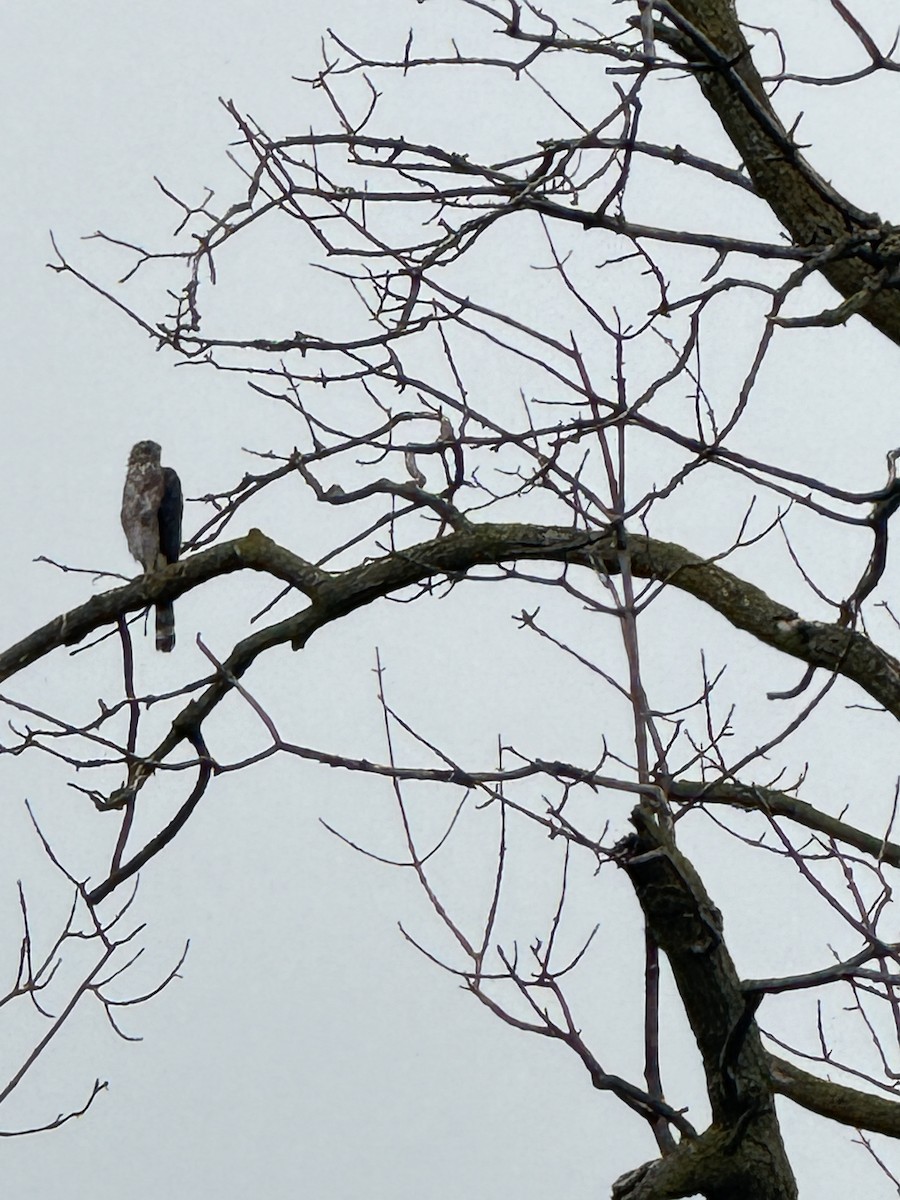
x=333 y=595
x=742 y=1156
x=836 y=1101
x=814 y=213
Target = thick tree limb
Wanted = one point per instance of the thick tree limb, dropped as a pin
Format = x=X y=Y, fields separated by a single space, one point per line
x=333 y=595
x=862 y=1110
x=815 y=213
x=741 y=1156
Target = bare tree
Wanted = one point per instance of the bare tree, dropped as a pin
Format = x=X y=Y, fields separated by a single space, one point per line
x=537 y=366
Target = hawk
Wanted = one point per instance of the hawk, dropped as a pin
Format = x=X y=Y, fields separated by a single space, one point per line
x=151 y=517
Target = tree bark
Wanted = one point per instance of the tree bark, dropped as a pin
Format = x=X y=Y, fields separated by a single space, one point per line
x=864 y=251
x=741 y=1156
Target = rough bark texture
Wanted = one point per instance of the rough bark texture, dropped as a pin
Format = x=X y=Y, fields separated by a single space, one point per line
x=814 y=213
x=741 y=1156
x=836 y=1101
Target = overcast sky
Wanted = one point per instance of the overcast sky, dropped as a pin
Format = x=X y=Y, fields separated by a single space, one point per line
x=306 y=1049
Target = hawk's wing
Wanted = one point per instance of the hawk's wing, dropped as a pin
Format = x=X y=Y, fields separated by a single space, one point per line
x=170 y=509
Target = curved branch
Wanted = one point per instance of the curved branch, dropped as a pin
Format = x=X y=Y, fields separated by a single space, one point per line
x=334 y=595
x=158 y=842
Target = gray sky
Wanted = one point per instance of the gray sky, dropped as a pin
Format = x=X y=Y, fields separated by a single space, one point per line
x=307 y=1049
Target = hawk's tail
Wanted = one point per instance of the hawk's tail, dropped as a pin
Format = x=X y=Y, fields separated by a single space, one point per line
x=165 y=627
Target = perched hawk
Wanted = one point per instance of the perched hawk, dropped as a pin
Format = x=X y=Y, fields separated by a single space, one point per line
x=151 y=518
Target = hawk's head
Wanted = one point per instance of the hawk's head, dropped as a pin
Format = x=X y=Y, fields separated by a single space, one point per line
x=142 y=452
